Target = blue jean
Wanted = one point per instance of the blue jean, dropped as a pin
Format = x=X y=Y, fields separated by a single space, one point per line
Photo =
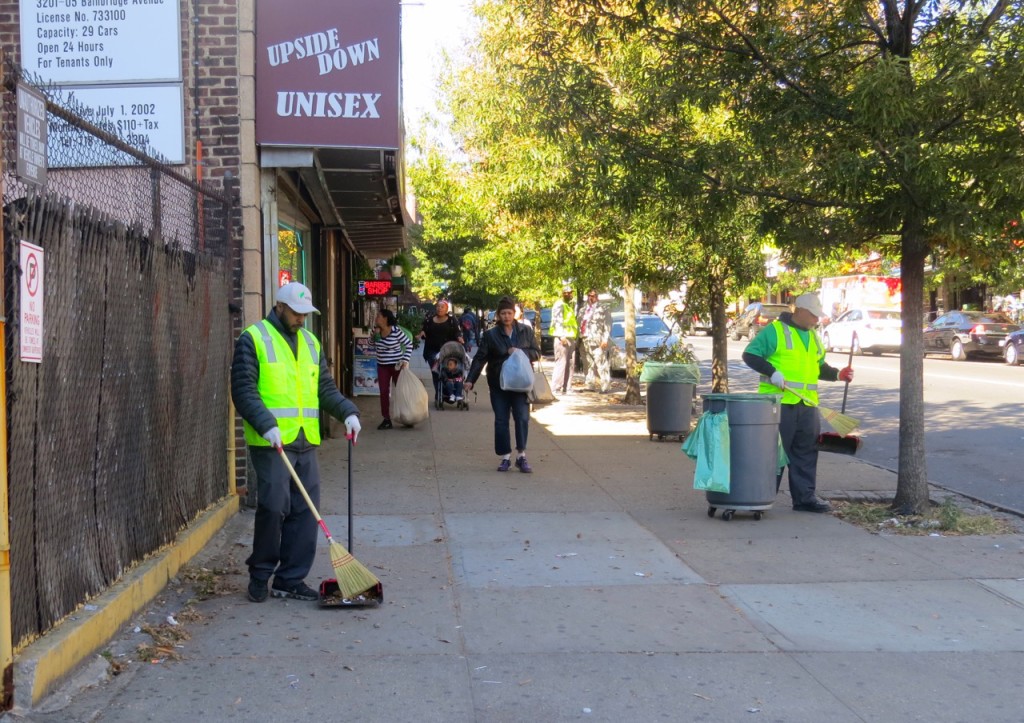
x=504 y=403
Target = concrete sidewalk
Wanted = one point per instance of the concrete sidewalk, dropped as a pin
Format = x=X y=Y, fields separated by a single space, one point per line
x=596 y=588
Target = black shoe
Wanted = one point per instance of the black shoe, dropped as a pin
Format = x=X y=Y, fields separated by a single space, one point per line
x=386 y=424
x=298 y=591
x=257 y=590
x=816 y=506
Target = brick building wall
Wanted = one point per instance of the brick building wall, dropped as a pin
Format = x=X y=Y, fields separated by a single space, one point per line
x=218 y=91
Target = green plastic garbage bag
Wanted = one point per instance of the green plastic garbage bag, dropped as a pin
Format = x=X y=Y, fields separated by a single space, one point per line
x=671 y=372
x=709 y=446
x=783 y=458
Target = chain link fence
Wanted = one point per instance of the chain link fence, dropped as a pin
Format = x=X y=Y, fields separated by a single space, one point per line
x=118 y=438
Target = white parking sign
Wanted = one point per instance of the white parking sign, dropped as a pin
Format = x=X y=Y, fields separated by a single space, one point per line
x=31 y=313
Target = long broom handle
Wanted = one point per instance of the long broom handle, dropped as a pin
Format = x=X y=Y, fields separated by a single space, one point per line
x=799 y=396
x=849 y=363
x=350 y=495
x=305 y=495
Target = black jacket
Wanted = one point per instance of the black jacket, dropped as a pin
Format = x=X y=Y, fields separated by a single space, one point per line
x=493 y=352
x=245 y=375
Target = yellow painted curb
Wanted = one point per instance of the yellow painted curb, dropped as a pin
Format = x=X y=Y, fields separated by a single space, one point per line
x=46 y=661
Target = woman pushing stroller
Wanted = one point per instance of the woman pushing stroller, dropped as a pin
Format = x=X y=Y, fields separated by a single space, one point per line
x=438 y=328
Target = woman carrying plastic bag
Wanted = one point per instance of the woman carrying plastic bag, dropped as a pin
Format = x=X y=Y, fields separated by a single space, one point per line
x=410 y=403
x=507 y=350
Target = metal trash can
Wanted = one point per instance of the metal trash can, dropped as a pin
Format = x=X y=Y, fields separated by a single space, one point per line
x=753 y=452
x=670 y=392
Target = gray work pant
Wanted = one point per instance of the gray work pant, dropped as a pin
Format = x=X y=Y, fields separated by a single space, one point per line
x=799 y=426
x=562 y=375
x=284 y=537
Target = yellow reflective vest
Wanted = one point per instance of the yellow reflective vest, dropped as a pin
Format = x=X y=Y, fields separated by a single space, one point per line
x=570 y=327
x=289 y=383
x=800 y=364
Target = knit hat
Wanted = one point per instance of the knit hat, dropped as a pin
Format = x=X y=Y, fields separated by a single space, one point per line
x=506 y=303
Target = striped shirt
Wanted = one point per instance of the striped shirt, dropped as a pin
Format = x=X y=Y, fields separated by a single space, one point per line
x=393 y=348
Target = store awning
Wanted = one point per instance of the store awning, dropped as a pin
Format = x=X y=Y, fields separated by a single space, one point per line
x=357 y=189
x=329 y=111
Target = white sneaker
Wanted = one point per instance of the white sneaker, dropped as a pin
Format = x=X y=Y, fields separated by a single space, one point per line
x=451 y=398
x=458 y=399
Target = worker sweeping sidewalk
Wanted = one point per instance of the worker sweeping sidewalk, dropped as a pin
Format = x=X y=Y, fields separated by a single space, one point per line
x=789 y=356
x=279 y=383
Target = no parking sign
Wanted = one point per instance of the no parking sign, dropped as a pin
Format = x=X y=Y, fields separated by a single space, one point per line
x=31 y=312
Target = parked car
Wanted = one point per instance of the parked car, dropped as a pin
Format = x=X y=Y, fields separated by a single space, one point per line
x=865 y=330
x=755 y=317
x=964 y=334
x=1013 y=347
x=651 y=331
x=547 y=342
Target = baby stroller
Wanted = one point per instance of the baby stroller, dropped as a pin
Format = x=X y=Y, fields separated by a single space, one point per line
x=451 y=351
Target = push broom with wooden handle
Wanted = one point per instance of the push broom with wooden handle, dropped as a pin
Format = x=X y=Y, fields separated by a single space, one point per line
x=353 y=577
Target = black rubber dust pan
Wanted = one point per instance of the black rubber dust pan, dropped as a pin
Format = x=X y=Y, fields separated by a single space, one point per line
x=840 y=443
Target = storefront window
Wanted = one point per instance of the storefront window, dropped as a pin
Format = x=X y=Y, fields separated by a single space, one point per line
x=291 y=255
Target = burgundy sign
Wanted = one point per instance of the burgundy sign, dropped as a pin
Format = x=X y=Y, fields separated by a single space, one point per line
x=327 y=73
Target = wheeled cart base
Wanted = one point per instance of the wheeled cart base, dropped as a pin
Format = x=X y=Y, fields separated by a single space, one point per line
x=727 y=512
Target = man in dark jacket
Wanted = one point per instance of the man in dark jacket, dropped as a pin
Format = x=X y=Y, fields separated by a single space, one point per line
x=279 y=384
x=496 y=345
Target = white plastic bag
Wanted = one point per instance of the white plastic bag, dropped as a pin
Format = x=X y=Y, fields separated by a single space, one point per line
x=516 y=373
x=410 y=404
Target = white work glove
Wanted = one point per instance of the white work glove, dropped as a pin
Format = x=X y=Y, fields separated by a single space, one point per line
x=273 y=435
x=779 y=380
x=352 y=427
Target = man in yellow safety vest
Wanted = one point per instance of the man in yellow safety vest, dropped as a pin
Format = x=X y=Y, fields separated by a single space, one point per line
x=789 y=355
x=564 y=329
x=279 y=384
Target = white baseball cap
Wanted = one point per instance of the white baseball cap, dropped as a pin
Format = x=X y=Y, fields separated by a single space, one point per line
x=297 y=297
x=811 y=302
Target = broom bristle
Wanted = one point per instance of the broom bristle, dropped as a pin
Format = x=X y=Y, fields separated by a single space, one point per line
x=843 y=424
x=353 y=577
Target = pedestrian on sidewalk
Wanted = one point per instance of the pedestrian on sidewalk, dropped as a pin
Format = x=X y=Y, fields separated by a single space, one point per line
x=279 y=384
x=789 y=355
x=437 y=329
x=393 y=349
x=564 y=329
x=496 y=345
x=596 y=335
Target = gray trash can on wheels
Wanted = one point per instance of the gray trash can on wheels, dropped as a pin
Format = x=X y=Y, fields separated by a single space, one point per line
x=753 y=452
x=670 y=390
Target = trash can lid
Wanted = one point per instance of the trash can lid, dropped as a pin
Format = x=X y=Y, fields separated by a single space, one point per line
x=743 y=397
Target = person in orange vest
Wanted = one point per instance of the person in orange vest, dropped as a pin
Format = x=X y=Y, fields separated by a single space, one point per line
x=788 y=354
x=279 y=384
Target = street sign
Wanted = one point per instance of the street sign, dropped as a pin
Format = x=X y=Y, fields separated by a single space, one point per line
x=31 y=135
x=31 y=306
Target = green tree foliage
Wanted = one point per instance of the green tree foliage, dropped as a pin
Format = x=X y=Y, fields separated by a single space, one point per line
x=852 y=123
x=557 y=124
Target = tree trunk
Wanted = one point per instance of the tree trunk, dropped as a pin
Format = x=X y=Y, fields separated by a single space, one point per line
x=632 y=376
x=719 y=337
x=912 y=480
